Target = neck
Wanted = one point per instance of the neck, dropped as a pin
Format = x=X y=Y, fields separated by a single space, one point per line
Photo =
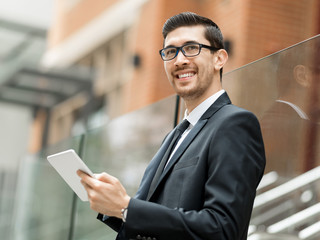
x=192 y=103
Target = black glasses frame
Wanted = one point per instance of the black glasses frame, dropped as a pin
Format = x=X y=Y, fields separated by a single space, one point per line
x=184 y=53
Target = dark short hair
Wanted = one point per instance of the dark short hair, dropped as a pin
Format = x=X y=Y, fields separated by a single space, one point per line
x=212 y=31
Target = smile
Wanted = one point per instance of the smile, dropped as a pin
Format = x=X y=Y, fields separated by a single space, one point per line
x=185 y=75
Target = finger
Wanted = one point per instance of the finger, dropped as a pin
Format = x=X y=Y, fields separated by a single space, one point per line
x=81 y=173
x=85 y=185
x=105 y=177
x=86 y=179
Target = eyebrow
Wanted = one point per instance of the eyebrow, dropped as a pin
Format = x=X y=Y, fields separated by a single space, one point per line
x=187 y=42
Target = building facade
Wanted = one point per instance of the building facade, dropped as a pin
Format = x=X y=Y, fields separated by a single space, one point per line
x=120 y=39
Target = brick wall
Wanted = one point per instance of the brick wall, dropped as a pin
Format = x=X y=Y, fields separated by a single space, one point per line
x=67 y=21
x=255 y=28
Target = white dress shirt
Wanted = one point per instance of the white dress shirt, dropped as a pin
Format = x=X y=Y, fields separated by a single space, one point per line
x=194 y=117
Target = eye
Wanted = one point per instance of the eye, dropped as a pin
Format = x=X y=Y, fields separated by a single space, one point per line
x=191 y=48
x=169 y=51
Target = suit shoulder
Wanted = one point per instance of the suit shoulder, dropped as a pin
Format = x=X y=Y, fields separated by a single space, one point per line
x=231 y=110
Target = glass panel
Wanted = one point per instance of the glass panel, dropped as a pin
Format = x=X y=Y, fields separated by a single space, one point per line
x=123 y=149
x=283 y=90
x=44 y=200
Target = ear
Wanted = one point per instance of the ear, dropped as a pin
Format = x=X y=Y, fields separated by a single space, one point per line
x=301 y=75
x=220 y=59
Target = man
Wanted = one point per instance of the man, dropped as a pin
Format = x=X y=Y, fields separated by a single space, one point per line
x=205 y=187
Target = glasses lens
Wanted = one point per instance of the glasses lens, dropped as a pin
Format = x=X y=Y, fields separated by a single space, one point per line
x=168 y=53
x=191 y=49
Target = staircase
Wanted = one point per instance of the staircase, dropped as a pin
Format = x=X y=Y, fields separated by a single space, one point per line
x=287 y=210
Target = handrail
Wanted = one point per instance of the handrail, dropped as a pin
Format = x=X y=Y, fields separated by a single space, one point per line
x=266 y=236
x=294 y=220
x=310 y=231
x=276 y=193
x=268 y=179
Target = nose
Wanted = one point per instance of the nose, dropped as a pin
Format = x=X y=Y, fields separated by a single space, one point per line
x=180 y=59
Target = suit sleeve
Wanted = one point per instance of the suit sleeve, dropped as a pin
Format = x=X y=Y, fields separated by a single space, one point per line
x=234 y=166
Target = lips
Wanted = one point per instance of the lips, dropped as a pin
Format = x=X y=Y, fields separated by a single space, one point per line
x=185 y=75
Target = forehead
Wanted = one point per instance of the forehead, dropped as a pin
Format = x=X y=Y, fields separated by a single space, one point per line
x=185 y=34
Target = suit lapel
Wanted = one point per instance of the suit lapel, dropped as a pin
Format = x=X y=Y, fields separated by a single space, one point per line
x=145 y=184
x=194 y=131
x=221 y=101
x=184 y=145
x=152 y=168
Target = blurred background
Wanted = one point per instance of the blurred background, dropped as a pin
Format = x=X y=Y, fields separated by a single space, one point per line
x=86 y=74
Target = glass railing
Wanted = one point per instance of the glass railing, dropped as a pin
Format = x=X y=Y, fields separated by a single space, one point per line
x=46 y=207
x=123 y=148
x=281 y=89
x=44 y=202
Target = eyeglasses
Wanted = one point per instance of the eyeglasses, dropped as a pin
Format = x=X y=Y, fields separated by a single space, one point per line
x=188 y=50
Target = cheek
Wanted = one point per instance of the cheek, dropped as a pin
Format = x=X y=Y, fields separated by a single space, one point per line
x=167 y=69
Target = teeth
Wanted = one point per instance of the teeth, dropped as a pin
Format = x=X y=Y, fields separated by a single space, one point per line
x=186 y=75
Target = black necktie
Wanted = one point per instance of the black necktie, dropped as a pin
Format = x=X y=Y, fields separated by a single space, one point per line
x=177 y=134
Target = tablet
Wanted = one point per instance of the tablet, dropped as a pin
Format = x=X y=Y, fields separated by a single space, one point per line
x=67 y=163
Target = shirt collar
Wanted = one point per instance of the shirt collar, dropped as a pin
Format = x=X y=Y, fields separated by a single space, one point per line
x=196 y=113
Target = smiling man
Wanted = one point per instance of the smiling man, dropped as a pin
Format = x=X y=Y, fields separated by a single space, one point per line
x=192 y=77
x=201 y=184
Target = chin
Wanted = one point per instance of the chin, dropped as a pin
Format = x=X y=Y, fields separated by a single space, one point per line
x=188 y=94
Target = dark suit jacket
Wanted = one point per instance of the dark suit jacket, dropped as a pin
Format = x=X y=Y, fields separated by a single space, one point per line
x=208 y=188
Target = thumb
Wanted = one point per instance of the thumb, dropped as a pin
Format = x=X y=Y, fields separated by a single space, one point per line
x=104 y=177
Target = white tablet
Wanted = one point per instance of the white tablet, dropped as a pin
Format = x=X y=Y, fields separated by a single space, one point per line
x=67 y=164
